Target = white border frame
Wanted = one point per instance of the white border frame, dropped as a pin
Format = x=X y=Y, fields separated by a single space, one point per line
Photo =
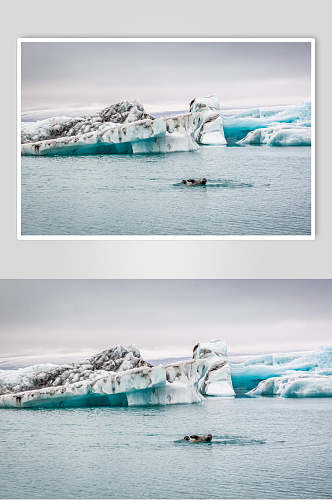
x=168 y=237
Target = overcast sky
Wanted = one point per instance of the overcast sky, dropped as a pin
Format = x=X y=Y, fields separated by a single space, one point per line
x=162 y=317
x=163 y=76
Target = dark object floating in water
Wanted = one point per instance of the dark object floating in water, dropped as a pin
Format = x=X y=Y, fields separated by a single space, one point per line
x=195 y=182
x=199 y=439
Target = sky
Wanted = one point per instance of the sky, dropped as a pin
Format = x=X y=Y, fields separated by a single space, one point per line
x=69 y=319
x=62 y=77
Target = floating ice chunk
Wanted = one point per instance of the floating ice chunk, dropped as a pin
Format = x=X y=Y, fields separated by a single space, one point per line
x=145 y=136
x=247 y=374
x=279 y=135
x=125 y=128
x=138 y=386
x=104 y=390
x=120 y=377
x=295 y=385
x=237 y=125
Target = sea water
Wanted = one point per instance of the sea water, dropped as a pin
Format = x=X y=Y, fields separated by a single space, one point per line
x=261 y=448
x=253 y=190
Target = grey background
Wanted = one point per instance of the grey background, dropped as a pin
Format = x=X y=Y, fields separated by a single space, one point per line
x=165 y=259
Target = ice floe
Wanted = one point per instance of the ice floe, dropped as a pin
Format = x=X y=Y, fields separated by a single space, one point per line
x=252 y=375
x=238 y=124
x=295 y=385
x=279 y=135
x=125 y=128
x=119 y=377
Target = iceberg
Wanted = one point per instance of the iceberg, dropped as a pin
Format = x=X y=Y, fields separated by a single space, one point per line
x=211 y=130
x=253 y=375
x=217 y=378
x=299 y=385
x=125 y=128
x=119 y=377
x=237 y=125
x=279 y=135
x=117 y=358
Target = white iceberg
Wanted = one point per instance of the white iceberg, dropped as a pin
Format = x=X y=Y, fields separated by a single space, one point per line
x=279 y=135
x=211 y=130
x=117 y=358
x=217 y=378
x=295 y=385
x=125 y=128
x=119 y=377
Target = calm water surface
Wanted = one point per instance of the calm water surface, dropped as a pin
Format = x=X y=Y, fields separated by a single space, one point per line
x=262 y=448
x=255 y=190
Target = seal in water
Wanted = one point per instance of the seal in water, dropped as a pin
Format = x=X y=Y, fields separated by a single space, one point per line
x=199 y=439
x=195 y=182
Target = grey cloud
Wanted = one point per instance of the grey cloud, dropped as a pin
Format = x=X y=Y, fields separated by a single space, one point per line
x=163 y=315
x=66 y=74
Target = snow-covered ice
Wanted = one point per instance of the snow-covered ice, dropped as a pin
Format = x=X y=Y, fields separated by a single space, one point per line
x=119 y=377
x=117 y=358
x=300 y=384
x=125 y=128
x=279 y=135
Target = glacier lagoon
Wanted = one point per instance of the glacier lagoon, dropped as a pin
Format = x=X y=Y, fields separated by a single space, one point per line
x=262 y=448
x=119 y=172
x=251 y=190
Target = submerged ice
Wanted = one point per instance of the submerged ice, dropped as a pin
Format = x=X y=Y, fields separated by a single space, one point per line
x=119 y=377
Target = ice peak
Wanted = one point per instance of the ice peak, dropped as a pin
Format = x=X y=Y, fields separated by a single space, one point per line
x=118 y=376
x=210 y=102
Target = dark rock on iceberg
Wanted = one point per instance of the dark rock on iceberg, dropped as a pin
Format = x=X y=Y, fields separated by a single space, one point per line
x=121 y=112
x=117 y=358
x=119 y=376
x=125 y=128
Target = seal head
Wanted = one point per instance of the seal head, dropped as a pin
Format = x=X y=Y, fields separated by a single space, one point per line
x=195 y=182
x=205 y=438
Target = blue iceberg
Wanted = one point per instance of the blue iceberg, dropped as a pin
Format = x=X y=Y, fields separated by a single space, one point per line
x=294 y=374
x=125 y=128
x=247 y=127
x=119 y=377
